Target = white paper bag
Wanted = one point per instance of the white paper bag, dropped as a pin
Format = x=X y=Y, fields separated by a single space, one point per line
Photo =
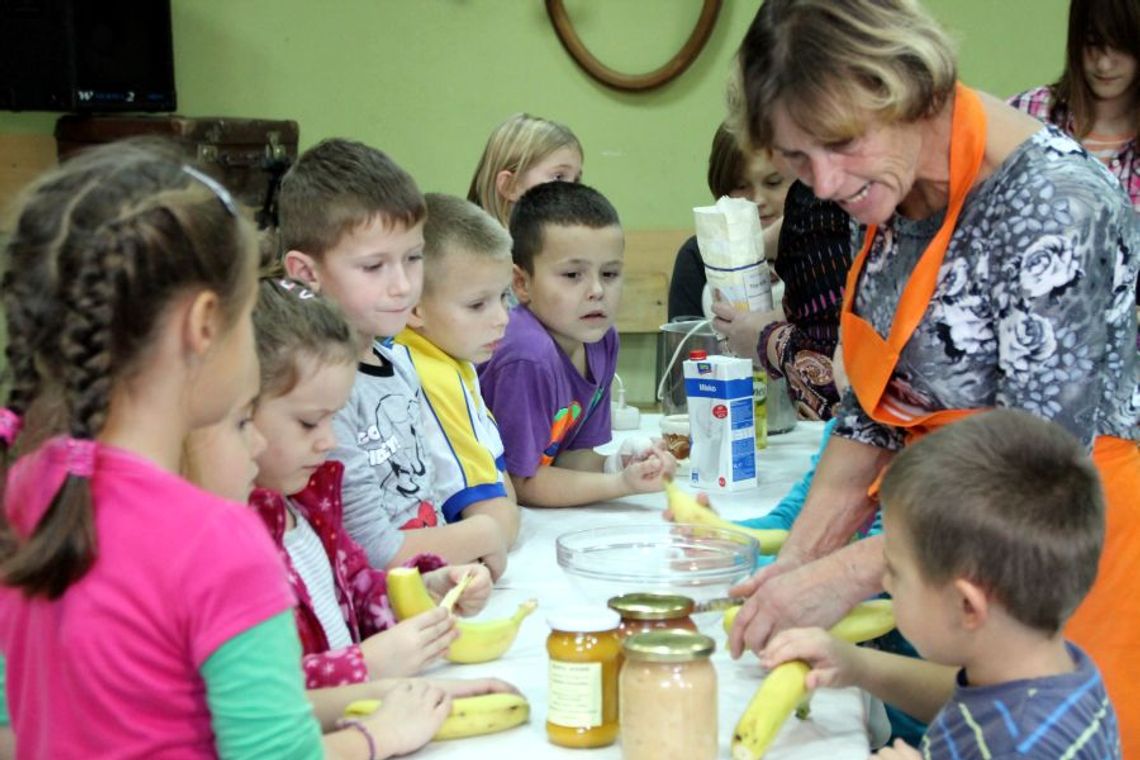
x=732 y=248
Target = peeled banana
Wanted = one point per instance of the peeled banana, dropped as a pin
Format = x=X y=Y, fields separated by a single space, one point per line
x=470 y=716
x=686 y=509
x=784 y=691
x=479 y=641
x=866 y=620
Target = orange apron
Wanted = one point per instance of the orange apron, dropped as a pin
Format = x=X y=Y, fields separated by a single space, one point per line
x=1107 y=623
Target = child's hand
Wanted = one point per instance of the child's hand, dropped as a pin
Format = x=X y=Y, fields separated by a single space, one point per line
x=496 y=563
x=702 y=499
x=472 y=687
x=833 y=662
x=473 y=598
x=900 y=750
x=408 y=717
x=410 y=645
x=647 y=475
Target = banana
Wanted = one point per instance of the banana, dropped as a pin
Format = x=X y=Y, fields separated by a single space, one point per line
x=470 y=716
x=866 y=620
x=686 y=509
x=479 y=641
x=773 y=702
x=784 y=690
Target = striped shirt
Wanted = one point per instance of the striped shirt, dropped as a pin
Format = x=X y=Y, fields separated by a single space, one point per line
x=1065 y=716
x=312 y=564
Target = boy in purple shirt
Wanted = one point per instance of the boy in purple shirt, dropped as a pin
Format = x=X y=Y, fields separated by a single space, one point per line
x=548 y=382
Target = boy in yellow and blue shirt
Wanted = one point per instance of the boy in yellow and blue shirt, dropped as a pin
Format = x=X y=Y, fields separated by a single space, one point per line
x=458 y=321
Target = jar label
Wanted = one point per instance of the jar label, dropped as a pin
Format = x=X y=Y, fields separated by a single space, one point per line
x=575 y=697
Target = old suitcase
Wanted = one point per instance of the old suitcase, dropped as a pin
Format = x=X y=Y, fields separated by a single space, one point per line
x=247 y=155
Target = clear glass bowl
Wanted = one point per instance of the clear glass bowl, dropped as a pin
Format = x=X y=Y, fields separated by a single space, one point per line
x=696 y=561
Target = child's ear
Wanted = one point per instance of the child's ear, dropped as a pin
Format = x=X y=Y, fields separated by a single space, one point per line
x=202 y=322
x=416 y=317
x=303 y=267
x=974 y=604
x=505 y=185
x=520 y=283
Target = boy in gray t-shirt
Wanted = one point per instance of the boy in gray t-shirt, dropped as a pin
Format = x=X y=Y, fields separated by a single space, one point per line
x=993 y=529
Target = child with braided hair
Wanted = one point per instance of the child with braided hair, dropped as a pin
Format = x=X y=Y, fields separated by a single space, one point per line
x=139 y=615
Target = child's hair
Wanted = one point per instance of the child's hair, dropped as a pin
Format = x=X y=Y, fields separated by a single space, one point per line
x=566 y=204
x=101 y=248
x=338 y=185
x=728 y=166
x=516 y=145
x=1009 y=501
x=1096 y=23
x=455 y=223
x=289 y=321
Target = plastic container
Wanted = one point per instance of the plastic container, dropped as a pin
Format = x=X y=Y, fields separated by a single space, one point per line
x=585 y=655
x=668 y=697
x=674 y=342
x=641 y=613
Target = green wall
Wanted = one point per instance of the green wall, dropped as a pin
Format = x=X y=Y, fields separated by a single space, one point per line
x=426 y=80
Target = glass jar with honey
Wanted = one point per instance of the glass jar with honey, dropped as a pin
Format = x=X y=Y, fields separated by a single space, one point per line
x=650 y=612
x=585 y=655
x=668 y=697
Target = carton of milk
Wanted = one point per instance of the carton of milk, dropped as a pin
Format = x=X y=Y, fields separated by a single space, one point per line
x=721 y=425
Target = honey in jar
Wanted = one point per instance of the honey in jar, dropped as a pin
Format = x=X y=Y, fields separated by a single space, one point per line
x=585 y=655
x=650 y=612
x=668 y=697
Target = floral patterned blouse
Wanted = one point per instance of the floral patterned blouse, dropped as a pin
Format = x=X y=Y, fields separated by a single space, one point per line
x=1034 y=304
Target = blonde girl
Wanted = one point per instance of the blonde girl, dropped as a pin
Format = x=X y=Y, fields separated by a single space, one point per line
x=139 y=615
x=522 y=152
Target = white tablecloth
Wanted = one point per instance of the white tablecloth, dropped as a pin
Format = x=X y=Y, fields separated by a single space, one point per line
x=838 y=728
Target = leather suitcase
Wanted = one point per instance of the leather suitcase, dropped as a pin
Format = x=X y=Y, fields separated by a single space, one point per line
x=248 y=156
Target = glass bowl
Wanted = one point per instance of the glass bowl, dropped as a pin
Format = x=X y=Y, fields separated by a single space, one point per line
x=699 y=562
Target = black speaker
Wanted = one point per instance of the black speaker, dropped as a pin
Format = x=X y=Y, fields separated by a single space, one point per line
x=86 y=55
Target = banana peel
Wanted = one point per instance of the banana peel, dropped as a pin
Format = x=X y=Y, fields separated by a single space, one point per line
x=687 y=509
x=866 y=620
x=479 y=640
x=470 y=716
x=784 y=691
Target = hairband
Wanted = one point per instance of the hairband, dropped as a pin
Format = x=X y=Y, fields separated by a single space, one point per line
x=80 y=457
x=10 y=425
x=302 y=292
x=215 y=187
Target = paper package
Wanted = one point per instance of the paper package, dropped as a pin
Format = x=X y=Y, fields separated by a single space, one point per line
x=721 y=425
x=732 y=248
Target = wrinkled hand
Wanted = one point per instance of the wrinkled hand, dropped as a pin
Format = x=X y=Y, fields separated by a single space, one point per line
x=900 y=750
x=473 y=598
x=408 y=717
x=741 y=329
x=649 y=474
x=784 y=595
x=410 y=645
x=833 y=662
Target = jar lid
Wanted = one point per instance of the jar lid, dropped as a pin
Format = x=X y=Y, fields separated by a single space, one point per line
x=697 y=354
x=668 y=646
x=651 y=606
x=583 y=619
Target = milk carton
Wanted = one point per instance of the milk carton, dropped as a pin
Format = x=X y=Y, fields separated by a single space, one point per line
x=721 y=425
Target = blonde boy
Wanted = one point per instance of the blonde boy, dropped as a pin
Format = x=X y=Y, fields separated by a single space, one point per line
x=459 y=320
x=993 y=528
x=548 y=383
x=352 y=229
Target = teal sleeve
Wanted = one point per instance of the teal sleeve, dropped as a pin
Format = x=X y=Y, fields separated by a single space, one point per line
x=5 y=721
x=257 y=697
x=785 y=513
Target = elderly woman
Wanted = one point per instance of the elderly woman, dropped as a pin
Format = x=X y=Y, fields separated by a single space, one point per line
x=997 y=270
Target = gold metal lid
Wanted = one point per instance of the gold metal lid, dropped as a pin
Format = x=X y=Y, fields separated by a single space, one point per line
x=651 y=606
x=668 y=646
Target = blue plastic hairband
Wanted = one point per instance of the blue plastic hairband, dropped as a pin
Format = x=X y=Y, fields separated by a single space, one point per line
x=215 y=187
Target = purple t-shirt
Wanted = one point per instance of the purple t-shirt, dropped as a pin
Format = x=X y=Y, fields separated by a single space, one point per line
x=540 y=402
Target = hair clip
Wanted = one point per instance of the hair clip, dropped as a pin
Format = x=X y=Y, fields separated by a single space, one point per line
x=10 y=425
x=215 y=187
x=81 y=457
x=302 y=292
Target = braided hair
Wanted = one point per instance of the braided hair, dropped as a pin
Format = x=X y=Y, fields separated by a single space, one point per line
x=101 y=248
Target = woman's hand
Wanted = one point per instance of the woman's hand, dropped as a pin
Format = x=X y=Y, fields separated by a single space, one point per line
x=784 y=595
x=473 y=598
x=741 y=329
x=834 y=663
x=410 y=645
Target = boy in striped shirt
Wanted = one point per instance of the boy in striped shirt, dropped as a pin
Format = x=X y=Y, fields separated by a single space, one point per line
x=993 y=530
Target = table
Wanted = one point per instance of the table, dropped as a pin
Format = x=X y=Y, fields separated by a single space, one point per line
x=838 y=728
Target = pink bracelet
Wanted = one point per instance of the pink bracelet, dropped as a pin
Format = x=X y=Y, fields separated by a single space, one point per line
x=363 y=729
